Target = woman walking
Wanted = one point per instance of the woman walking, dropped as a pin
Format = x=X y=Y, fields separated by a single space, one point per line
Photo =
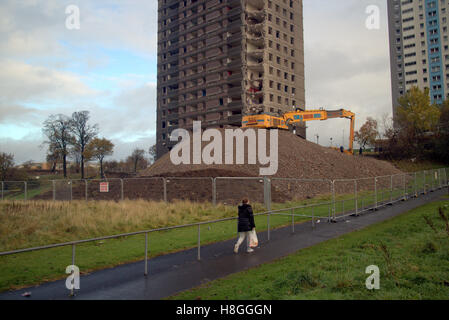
x=245 y=225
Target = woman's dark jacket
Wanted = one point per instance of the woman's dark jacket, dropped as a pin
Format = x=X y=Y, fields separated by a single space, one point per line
x=246 y=218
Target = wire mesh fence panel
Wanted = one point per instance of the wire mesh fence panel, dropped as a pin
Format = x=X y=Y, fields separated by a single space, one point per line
x=39 y=189
x=366 y=194
x=384 y=190
x=230 y=191
x=144 y=188
x=62 y=190
x=109 y=189
x=399 y=186
x=79 y=189
x=345 y=196
x=14 y=190
x=411 y=184
x=435 y=179
x=198 y=189
x=283 y=190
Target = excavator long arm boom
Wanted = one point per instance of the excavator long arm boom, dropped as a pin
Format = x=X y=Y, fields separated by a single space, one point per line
x=286 y=120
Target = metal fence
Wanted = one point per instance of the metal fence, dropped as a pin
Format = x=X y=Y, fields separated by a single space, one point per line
x=365 y=191
x=330 y=200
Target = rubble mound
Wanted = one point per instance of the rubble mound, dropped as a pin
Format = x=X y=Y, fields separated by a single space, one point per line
x=297 y=158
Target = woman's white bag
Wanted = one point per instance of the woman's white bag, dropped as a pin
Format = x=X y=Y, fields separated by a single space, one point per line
x=253 y=241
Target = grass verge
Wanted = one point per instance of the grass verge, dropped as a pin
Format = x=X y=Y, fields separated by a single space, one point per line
x=411 y=251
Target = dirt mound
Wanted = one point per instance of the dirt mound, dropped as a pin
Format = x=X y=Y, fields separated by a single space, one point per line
x=298 y=158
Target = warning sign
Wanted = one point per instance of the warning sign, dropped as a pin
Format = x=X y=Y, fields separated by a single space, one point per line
x=104 y=186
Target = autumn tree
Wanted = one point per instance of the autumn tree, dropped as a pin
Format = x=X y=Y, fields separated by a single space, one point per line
x=416 y=113
x=6 y=164
x=57 y=129
x=83 y=133
x=99 y=149
x=415 y=120
x=368 y=133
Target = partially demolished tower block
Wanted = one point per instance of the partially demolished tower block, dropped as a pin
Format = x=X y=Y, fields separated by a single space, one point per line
x=220 y=59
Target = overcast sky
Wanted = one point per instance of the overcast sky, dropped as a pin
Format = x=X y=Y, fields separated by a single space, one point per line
x=109 y=68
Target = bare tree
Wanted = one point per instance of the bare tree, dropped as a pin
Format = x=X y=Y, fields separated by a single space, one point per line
x=137 y=156
x=57 y=129
x=53 y=157
x=6 y=163
x=83 y=133
x=152 y=152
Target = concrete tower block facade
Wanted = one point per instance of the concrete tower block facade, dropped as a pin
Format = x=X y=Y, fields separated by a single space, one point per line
x=221 y=59
x=419 y=47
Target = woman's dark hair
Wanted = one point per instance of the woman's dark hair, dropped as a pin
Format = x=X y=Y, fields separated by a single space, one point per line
x=245 y=200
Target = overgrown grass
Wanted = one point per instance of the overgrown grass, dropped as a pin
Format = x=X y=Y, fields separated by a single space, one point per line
x=411 y=254
x=413 y=166
x=35 y=223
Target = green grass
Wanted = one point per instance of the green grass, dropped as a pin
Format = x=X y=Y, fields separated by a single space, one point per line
x=30 y=268
x=413 y=166
x=413 y=265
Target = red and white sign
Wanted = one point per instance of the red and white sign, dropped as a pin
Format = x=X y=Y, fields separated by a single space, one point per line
x=104 y=186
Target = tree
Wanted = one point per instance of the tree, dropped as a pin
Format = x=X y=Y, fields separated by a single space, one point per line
x=57 y=129
x=137 y=156
x=99 y=149
x=53 y=157
x=368 y=133
x=416 y=113
x=83 y=133
x=152 y=152
x=6 y=163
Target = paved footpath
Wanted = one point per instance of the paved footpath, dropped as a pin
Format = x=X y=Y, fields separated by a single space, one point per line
x=176 y=272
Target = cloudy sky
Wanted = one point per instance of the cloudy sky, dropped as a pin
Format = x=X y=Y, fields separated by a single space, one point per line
x=108 y=67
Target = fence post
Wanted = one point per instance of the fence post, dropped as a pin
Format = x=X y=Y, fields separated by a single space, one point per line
x=86 y=190
x=25 y=191
x=71 y=190
x=356 y=198
x=391 y=189
x=375 y=193
x=268 y=226
x=3 y=188
x=267 y=192
x=54 y=189
x=424 y=184
x=313 y=217
x=405 y=187
x=199 y=242
x=416 y=187
x=122 y=193
x=333 y=198
x=165 y=189
x=293 y=220
x=214 y=191
x=146 y=254
x=439 y=178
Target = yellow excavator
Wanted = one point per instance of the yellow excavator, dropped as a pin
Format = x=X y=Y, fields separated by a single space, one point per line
x=289 y=120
